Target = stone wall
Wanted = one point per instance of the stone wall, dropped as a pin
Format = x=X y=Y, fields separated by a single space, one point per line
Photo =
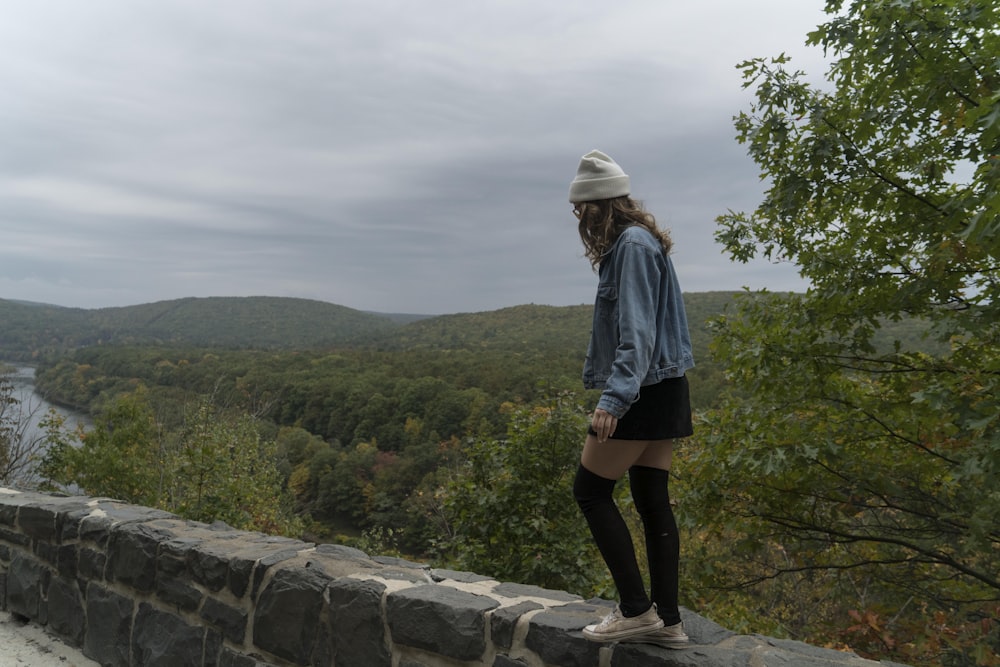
x=134 y=586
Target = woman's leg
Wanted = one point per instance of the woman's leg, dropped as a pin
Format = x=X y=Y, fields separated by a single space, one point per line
x=593 y=494
x=652 y=501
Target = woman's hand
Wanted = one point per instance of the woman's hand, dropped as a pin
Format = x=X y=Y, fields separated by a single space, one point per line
x=604 y=424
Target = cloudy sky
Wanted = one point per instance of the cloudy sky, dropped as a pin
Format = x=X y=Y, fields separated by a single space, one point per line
x=386 y=155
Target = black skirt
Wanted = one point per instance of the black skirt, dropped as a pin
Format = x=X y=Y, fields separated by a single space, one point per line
x=663 y=411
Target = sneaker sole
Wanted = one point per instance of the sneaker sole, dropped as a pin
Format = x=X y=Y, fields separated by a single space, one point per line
x=662 y=643
x=621 y=634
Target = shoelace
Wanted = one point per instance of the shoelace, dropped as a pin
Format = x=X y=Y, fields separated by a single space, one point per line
x=610 y=618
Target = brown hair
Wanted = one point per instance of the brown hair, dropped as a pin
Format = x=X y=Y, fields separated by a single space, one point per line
x=603 y=221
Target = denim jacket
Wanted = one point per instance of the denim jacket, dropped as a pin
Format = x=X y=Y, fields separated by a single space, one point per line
x=640 y=333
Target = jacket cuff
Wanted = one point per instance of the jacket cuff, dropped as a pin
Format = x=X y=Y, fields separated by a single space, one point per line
x=612 y=406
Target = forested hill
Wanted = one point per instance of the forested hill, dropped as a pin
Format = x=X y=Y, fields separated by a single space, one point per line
x=533 y=327
x=37 y=331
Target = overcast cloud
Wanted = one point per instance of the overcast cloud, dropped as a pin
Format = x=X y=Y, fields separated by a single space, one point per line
x=386 y=155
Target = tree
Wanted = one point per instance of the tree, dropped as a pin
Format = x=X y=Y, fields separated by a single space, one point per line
x=216 y=467
x=221 y=469
x=121 y=457
x=846 y=453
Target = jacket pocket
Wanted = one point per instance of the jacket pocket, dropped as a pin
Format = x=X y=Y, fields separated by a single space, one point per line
x=607 y=301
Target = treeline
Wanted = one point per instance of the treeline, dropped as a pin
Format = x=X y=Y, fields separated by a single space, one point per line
x=345 y=397
x=33 y=331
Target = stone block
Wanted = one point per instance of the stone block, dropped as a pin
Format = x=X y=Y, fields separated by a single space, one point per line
x=648 y=655
x=66 y=560
x=26 y=579
x=231 y=621
x=335 y=566
x=65 y=610
x=440 y=619
x=355 y=631
x=123 y=513
x=438 y=574
x=160 y=639
x=555 y=634
x=397 y=563
x=240 y=572
x=13 y=538
x=252 y=548
x=209 y=569
x=39 y=523
x=101 y=517
x=68 y=525
x=95 y=527
x=132 y=555
x=47 y=552
x=213 y=648
x=178 y=593
x=8 y=513
x=511 y=590
x=789 y=653
x=288 y=613
x=172 y=558
x=703 y=631
x=109 y=627
x=266 y=563
x=341 y=551
x=71 y=522
x=503 y=622
x=90 y=563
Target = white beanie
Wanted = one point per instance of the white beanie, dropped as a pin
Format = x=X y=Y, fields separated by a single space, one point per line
x=598 y=177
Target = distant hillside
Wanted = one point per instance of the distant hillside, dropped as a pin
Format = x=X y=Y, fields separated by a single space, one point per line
x=530 y=328
x=519 y=328
x=36 y=330
x=32 y=331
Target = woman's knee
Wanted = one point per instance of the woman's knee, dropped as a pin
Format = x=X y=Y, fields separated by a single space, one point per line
x=650 y=489
x=590 y=488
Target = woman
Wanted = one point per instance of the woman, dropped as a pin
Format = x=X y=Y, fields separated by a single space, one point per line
x=639 y=351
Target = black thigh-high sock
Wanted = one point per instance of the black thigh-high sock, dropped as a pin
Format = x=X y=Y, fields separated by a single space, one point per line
x=652 y=501
x=593 y=494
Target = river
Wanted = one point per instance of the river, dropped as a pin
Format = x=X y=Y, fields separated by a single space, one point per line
x=34 y=404
x=35 y=408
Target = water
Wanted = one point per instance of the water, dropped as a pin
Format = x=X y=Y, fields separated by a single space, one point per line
x=32 y=410
x=35 y=406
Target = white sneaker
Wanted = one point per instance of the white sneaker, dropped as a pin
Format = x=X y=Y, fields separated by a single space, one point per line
x=669 y=636
x=615 y=626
